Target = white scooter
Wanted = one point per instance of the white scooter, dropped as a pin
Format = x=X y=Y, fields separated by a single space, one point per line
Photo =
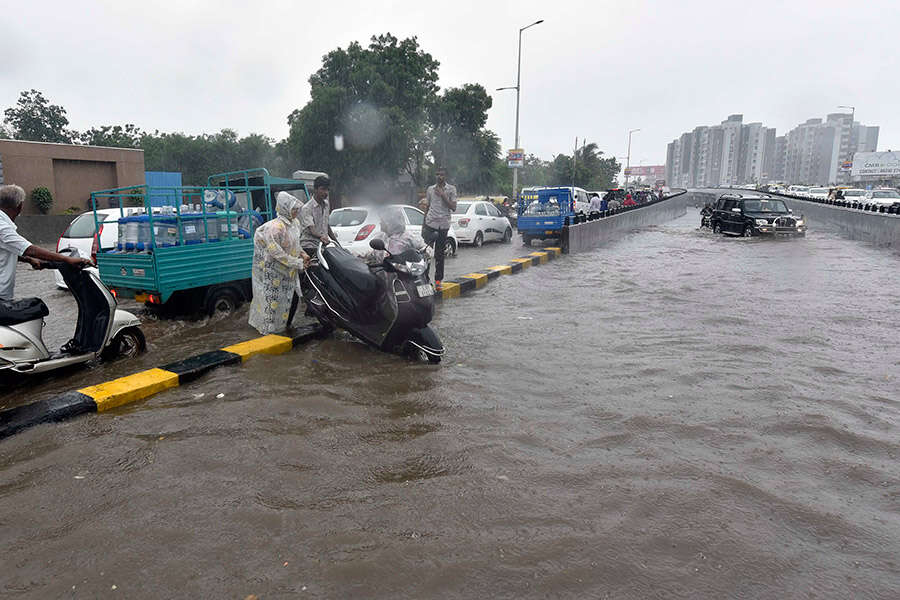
x=102 y=330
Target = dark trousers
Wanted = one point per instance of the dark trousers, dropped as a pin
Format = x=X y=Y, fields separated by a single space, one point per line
x=436 y=238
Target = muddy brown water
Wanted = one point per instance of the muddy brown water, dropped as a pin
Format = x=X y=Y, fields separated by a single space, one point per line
x=675 y=415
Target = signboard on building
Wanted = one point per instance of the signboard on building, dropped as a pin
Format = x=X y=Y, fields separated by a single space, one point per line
x=873 y=165
x=846 y=165
x=516 y=158
x=656 y=171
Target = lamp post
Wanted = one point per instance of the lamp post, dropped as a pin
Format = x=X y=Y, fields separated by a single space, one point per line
x=628 y=157
x=850 y=137
x=518 y=88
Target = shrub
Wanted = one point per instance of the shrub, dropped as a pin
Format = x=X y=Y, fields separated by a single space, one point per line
x=72 y=210
x=42 y=199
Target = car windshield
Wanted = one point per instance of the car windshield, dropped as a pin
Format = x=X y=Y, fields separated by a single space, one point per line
x=548 y=208
x=347 y=217
x=462 y=208
x=770 y=206
x=885 y=194
x=83 y=226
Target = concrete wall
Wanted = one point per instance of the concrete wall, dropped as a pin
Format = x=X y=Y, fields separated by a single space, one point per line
x=43 y=230
x=588 y=235
x=69 y=171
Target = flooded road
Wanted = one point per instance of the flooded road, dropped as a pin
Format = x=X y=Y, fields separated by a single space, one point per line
x=675 y=415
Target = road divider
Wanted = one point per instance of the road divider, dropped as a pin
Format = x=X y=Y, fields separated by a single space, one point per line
x=454 y=288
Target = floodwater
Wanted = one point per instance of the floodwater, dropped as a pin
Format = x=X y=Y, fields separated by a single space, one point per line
x=675 y=415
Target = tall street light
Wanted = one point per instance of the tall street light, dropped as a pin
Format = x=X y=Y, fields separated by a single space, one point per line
x=628 y=157
x=850 y=137
x=518 y=88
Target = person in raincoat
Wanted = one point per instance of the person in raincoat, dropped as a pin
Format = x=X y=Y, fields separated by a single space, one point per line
x=277 y=260
x=396 y=238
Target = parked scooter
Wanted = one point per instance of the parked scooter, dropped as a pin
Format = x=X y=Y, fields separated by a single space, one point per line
x=387 y=306
x=102 y=330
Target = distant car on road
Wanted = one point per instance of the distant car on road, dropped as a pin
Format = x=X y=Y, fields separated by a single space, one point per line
x=854 y=195
x=883 y=197
x=818 y=193
x=81 y=234
x=354 y=226
x=476 y=222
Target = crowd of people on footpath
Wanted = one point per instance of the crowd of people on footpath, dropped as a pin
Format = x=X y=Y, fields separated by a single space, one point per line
x=283 y=247
x=610 y=200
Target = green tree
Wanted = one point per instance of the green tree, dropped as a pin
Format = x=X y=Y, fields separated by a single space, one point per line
x=35 y=119
x=460 y=141
x=592 y=172
x=115 y=136
x=367 y=110
x=42 y=199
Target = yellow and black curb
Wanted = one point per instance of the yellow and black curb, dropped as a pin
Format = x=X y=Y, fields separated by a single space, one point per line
x=454 y=288
x=131 y=388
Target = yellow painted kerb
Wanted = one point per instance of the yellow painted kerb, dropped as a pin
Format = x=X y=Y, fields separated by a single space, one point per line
x=268 y=344
x=504 y=269
x=525 y=262
x=544 y=256
x=449 y=290
x=556 y=251
x=480 y=279
x=131 y=388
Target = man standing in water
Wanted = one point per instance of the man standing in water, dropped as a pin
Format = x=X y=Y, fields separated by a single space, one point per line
x=441 y=202
x=314 y=227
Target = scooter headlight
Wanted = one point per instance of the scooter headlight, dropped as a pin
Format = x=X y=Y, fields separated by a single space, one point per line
x=413 y=268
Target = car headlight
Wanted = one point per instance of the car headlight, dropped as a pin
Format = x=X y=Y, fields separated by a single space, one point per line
x=762 y=222
x=799 y=221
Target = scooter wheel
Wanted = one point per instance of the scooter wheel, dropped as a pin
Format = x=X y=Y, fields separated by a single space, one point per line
x=128 y=343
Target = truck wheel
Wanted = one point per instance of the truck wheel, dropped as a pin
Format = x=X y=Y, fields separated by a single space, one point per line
x=526 y=239
x=128 y=343
x=222 y=300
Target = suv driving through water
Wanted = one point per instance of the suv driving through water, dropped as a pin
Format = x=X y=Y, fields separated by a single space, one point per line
x=755 y=215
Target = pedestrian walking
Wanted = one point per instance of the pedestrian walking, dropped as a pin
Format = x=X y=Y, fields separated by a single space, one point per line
x=440 y=201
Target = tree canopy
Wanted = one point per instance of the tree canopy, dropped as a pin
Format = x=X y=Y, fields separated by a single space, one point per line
x=592 y=172
x=33 y=118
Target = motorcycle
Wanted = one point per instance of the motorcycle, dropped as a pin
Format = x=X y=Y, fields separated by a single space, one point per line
x=705 y=219
x=102 y=330
x=388 y=306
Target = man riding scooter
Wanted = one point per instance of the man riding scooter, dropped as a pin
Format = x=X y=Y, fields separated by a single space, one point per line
x=15 y=248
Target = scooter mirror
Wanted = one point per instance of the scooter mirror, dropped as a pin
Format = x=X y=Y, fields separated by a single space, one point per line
x=376 y=244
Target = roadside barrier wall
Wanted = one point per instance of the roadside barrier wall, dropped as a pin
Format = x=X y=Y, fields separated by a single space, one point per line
x=599 y=228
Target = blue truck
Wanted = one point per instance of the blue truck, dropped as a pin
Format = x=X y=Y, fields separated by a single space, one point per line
x=542 y=212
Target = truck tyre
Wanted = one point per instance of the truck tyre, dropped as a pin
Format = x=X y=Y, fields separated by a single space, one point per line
x=223 y=300
x=526 y=239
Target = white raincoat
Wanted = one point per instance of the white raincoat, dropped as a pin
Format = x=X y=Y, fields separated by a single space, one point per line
x=277 y=259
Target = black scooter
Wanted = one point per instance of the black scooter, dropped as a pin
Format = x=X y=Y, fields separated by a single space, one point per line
x=387 y=306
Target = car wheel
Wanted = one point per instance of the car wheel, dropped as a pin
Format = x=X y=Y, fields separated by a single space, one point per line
x=748 y=231
x=717 y=228
x=507 y=235
x=449 y=248
x=479 y=240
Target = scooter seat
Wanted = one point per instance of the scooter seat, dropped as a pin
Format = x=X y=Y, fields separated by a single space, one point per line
x=350 y=270
x=13 y=312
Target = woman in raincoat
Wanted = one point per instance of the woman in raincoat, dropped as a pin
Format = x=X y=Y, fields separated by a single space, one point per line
x=277 y=259
x=396 y=238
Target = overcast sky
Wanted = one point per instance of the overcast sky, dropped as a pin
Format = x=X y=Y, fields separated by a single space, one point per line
x=593 y=69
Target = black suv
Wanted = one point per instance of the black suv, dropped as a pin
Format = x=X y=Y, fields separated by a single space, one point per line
x=755 y=215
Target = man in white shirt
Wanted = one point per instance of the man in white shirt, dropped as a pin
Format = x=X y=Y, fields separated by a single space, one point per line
x=439 y=203
x=14 y=248
x=313 y=219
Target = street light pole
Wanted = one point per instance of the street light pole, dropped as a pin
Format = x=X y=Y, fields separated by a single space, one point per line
x=518 y=88
x=628 y=157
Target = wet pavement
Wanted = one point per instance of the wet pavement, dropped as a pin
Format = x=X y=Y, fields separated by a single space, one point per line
x=675 y=415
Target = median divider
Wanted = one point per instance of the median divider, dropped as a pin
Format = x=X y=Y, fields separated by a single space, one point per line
x=138 y=386
x=454 y=288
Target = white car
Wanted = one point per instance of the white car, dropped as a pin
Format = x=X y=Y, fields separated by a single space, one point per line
x=854 y=195
x=883 y=197
x=81 y=235
x=354 y=226
x=818 y=193
x=476 y=222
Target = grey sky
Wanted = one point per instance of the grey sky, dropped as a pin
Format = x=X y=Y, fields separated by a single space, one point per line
x=593 y=68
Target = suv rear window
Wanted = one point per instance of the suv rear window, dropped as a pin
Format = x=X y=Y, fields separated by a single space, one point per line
x=83 y=226
x=347 y=217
